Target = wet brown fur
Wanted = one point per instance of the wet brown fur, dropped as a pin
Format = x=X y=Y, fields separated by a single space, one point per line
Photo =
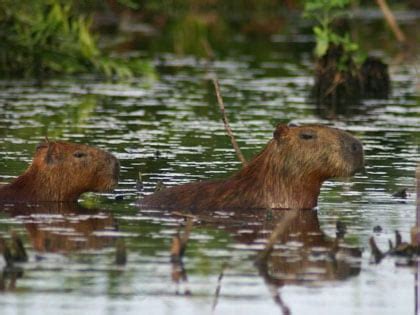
x=287 y=173
x=62 y=171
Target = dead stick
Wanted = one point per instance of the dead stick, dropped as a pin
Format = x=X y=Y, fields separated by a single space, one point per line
x=389 y=17
x=226 y=123
x=218 y=288
x=186 y=235
x=415 y=230
x=376 y=252
x=418 y=194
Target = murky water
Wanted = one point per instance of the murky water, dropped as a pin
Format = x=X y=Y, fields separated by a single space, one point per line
x=169 y=129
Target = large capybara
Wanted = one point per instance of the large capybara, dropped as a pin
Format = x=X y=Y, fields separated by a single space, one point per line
x=288 y=173
x=61 y=172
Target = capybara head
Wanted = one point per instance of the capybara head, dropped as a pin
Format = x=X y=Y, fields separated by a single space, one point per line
x=319 y=151
x=61 y=171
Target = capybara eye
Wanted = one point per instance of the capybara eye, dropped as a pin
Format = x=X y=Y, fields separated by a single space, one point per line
x=307 y=135
x=79 y=154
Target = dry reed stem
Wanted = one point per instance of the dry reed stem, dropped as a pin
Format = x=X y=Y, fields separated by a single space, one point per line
x=226 y=123
x=390 y=18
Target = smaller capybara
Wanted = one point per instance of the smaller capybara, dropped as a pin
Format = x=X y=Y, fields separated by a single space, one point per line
x=287 y=173
x=61 y=172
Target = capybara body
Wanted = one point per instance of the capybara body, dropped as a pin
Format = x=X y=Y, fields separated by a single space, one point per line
x=61 y=172
x=287 y=173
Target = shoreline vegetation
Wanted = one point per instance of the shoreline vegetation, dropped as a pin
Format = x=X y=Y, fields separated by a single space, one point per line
x=46 y=38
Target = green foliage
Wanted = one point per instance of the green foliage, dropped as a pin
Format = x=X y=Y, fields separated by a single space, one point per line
x=43 y=37
x=325 y=12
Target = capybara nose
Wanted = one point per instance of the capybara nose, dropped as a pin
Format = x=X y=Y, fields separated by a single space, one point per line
x=356 y=149
x=356 y=146
x=115 y=168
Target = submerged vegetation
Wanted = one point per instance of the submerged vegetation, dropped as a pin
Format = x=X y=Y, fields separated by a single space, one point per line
x=40 y=38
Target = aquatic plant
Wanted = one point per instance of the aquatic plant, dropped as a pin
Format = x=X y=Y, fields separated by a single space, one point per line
x=343 y=72
x=326 y=12
x=44 y=37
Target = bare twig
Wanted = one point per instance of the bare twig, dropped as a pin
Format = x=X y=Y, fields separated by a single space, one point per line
x=376 y=252
x=418 y=195
x=389 y=17
x=120 y=252
x=279 y=301
x=415 y=232
x=179 y=243
x=186 y=235
x=226 y=123
x=218 y=288
x=398 y=238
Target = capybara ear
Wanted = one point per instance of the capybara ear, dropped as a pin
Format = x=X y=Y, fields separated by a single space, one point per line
x=43 y=144
x=281 y=131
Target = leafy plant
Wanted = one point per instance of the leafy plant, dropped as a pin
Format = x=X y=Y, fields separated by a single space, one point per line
x=325 y=12
x=43 y=37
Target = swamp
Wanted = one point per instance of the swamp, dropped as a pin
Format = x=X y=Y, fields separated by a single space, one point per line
x=136 y=78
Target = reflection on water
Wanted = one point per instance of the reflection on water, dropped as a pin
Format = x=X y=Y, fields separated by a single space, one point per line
x=294 y=251
x=62 y=227
x=53 y=228
x=300 y=254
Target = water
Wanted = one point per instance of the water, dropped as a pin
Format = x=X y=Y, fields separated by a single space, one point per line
x=169 y=129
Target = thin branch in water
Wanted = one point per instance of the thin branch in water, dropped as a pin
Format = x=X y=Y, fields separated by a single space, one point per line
x=178 y=246
x=226 y=123
x=376 y=252
x=275 y=294
x=120 y=252
x=415 y=231
x=390 y=19
x=218 y=288
x=398 y=238
x=418 y=195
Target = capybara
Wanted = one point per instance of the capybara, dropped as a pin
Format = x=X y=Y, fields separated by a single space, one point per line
x=288 y=173
x=61 y=172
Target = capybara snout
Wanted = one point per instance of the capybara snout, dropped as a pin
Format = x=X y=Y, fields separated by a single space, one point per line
x=352 y=153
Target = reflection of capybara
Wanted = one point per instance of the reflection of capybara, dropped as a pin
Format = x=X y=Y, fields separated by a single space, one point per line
x=62 y=171
x=63 y=227
x=306 y=254
x=288 y=173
